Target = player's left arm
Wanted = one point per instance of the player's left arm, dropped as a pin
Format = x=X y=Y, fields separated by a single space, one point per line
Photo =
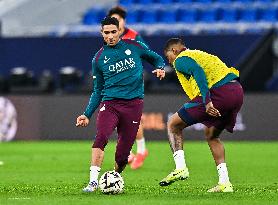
x=154 y=59
x=189 y=66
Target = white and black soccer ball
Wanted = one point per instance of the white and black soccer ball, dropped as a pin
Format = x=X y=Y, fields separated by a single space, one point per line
x=111 y=182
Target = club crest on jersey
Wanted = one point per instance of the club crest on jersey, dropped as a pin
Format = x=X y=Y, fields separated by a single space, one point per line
x=128 y=52
x=122 y=65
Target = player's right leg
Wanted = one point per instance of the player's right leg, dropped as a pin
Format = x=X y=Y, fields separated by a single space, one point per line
x=107 y=121
x=175 y=126
x=130 y=116
x=218 y=153
x=189 y=114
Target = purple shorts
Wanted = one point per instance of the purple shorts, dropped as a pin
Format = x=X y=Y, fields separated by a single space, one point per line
x=227 y=99
x=125 y=115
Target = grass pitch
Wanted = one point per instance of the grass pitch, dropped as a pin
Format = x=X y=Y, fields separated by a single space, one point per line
x=56 y=172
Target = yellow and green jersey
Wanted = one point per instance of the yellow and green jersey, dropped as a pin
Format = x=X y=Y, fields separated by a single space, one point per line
x=199 y=71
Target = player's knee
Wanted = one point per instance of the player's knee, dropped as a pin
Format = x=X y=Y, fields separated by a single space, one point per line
x=173 y=127
x=210 y=134
x=100 y=142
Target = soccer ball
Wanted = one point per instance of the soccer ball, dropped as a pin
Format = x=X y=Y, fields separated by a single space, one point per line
x=111 y=182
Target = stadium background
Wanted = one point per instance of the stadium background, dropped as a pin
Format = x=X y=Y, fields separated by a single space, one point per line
x=46 y=49
x=45 y=60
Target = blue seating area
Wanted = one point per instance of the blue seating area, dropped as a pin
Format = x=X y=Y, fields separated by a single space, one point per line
x=228 y=15
x=130 y=2
x=148 y=16
x=189 y=15
x=207 y=15
x=194 y=12
x=186 y=15
x=269 y=15
x=167 y=16
x=93 y=16
x=248 y=15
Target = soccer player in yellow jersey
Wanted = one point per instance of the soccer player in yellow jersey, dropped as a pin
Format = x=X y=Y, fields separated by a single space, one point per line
x=216 y=97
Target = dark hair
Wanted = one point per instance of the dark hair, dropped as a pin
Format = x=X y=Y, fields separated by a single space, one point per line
x=110 y=21
x=118 y=10
x=173 y=41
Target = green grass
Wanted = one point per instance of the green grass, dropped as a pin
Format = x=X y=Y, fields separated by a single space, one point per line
x=56 y=172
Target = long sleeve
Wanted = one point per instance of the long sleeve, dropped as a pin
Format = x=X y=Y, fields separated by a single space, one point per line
x=96 y=97
x=151 y=57
x=188 y=66
x=139 y=38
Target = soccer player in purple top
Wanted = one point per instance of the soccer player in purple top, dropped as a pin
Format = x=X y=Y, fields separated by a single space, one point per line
x=119 y=91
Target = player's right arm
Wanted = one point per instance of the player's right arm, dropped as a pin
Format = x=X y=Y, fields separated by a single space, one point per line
x=95 y=99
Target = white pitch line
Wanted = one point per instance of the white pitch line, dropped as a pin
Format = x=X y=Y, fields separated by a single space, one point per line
x=18 y=198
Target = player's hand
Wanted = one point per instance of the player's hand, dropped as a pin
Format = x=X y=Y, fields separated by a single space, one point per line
x=82 y=121
x=211 y=110
x=159 y=73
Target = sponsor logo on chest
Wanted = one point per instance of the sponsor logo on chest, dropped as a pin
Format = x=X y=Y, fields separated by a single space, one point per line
x=122 y=65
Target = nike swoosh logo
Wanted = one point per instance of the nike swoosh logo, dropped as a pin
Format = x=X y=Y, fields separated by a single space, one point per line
x=106 y=60
x=174 y=174
x=103 y=108
x=134 y=122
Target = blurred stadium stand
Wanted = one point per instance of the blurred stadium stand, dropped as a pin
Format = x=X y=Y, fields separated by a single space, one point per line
x=37 y=18
x=23 y=81
x=76 y=26
x=68 y=19
x=70 y=79
x=199 y=16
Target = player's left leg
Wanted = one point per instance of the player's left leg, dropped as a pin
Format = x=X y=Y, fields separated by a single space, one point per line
x=218 y=153
x=142 y=152
x=229 y=105
x=130 y=116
